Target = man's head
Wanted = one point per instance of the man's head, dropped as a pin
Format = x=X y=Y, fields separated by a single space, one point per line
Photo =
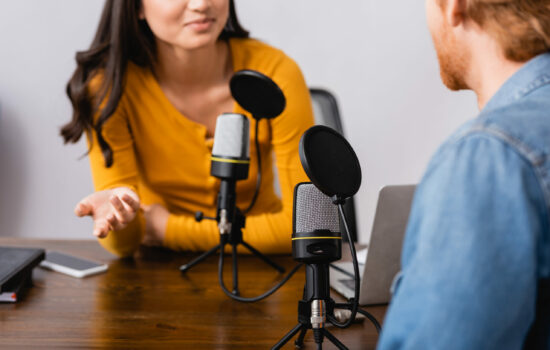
x=519 y=29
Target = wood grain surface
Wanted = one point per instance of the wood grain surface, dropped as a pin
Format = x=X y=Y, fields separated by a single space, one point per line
x=145 y=302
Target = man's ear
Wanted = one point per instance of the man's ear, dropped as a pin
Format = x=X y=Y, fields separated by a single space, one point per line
x=455 y=12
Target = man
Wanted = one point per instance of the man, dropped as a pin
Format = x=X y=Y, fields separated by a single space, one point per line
x=476 y=258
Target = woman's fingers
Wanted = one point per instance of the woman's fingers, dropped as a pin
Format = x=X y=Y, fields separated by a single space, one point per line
x=131 y=203
x=113 y=221
x=83 y=208
x=101 y=228
x=122 y=213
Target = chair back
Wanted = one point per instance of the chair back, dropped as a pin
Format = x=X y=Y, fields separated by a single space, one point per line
x=326 y=112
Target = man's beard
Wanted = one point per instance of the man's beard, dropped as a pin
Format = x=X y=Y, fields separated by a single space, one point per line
x=453 y=61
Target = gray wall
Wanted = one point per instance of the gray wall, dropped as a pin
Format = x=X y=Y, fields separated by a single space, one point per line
x=375 y=56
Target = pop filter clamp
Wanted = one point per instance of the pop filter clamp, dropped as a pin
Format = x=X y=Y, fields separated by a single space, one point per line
x=260 y=96
x=332 y=166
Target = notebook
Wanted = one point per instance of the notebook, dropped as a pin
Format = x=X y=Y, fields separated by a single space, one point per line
x=14 y=288
x=17 y=263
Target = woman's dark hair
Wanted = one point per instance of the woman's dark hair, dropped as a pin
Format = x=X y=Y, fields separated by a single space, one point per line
x=121 y=37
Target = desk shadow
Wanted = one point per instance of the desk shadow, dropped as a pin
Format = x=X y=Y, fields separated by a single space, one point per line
x=13 y=173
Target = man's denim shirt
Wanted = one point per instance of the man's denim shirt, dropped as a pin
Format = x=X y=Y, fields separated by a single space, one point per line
x=476 y=257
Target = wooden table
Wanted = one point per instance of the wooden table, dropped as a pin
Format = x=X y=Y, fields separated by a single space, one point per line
x=146 y=302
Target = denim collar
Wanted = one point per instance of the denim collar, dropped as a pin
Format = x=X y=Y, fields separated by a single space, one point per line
x=534 y=74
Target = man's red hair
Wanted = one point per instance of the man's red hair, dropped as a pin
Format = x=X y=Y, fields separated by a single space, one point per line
x=521 y=27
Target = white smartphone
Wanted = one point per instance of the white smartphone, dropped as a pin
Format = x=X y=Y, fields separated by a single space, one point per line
x=72 y=266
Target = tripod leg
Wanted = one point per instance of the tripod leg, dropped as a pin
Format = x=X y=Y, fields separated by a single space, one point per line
x=300 y=340
x=334 y=340
x=235 y=272
x=263 y=257
x=185 y=267
x=288 y=336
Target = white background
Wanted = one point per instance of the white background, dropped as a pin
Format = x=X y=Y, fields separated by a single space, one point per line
x=375 y=56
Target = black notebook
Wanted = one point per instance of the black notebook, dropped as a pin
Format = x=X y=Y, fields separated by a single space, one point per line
x=14 y=288
x=17 y=262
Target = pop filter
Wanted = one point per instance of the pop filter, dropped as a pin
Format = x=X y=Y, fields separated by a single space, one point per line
x=257 y=94
x=330 y=162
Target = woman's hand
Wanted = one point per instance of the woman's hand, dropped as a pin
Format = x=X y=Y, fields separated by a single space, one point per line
x=111 y=210
x=156 y=218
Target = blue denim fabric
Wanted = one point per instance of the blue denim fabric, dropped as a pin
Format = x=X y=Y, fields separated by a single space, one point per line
x=477 y=249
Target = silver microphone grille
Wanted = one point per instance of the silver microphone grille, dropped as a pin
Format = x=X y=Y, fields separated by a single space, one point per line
x=232 y=136
x=314 y=210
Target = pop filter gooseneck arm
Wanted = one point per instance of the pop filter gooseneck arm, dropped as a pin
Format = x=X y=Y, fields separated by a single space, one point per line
x=260 y=96
x=259 y=174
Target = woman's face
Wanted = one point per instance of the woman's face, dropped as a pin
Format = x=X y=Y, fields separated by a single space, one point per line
x=186 y=24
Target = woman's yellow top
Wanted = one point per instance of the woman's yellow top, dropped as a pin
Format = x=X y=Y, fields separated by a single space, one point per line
x=165 y=158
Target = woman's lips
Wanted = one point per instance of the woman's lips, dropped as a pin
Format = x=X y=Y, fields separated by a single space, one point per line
x=200 y=25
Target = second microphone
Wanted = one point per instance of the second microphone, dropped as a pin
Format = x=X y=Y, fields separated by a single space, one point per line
x=230 y=163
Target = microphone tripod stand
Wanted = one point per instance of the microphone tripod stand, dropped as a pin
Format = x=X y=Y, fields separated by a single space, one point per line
x=317 y=248
x=317 y=306
x=234 y=237
x=314 y=309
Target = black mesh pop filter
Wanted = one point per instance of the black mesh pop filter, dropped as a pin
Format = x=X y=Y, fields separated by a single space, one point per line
x=257 y=94
x=330 y=162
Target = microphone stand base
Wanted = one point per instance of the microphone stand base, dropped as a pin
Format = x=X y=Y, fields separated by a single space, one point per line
x=319 y=334
x=200 y=258
x=234 y=238
x=315 y=307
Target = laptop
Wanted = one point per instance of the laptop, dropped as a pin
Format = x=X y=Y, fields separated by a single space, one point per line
x=380 y=262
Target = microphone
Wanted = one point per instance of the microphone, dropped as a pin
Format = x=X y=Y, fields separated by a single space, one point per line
x=333 y=168
x=263 y=99
x=316 y=237
x=229 y=162
x=316 y=241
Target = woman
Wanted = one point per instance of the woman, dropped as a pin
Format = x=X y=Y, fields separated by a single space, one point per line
x=147 y=93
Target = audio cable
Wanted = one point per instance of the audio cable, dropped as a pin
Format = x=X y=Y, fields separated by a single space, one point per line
x=251 y=299
x=353 y=303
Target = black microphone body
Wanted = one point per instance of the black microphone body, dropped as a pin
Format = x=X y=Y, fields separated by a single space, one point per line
x=230 y=162
x=229 y=168
x=230 y=219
